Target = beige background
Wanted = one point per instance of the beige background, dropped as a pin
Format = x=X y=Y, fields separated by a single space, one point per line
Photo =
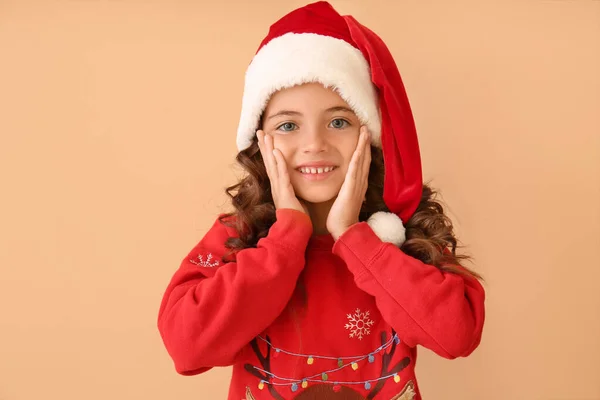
x=117 y=122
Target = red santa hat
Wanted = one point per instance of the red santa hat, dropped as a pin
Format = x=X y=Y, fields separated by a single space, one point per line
x=315 y=43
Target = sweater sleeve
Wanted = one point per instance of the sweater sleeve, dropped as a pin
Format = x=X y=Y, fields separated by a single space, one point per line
x=439 y=310
x=212 y=310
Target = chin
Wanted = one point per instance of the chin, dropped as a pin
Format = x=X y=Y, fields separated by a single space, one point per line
x=316 y=196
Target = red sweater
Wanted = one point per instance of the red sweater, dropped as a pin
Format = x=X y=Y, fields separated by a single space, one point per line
x=304 y=317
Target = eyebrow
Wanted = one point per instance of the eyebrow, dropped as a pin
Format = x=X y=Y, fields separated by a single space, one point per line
x=296 y=113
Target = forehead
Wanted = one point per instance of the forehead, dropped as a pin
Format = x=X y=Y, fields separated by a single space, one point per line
x=308 y=96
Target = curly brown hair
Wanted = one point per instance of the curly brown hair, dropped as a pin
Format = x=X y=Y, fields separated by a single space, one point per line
x=429 y=232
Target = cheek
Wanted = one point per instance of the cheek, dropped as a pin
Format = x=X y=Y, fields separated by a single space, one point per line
x=347 y=152
x=283 y=147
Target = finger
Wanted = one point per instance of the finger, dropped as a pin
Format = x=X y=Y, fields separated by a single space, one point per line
x=270 y=157
x=363 y=167
x=263 y=151
x=259 y=139
x=353 y=167
x=366 y=164
x=260 y=135
x=284 y=178
x=358 y=156
x=365 y=178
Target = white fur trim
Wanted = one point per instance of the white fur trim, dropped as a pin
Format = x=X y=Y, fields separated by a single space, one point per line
x=388 y=227
x=297 y=58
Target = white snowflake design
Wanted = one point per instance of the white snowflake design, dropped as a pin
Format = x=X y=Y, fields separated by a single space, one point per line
x=359 y=324
x=205 y=263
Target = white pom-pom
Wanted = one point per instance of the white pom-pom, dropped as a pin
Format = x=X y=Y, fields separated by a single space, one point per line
x=388 y=227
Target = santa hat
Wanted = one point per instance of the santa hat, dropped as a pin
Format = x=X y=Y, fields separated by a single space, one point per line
x=316 y=44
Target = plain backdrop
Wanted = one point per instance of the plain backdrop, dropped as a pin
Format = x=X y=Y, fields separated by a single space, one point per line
x=117 y=124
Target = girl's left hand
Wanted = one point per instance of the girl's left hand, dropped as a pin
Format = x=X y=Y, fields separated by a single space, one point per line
x=346 y=208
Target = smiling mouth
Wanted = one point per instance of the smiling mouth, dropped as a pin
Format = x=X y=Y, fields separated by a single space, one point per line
x=315 y=171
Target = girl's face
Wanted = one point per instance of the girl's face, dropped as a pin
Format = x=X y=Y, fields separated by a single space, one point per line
x=317 y=133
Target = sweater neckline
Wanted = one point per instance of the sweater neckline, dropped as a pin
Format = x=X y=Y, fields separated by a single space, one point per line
x=321 y=242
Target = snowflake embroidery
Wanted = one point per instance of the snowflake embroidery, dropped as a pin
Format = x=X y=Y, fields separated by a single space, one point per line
x=359 y=324
x=205 y=263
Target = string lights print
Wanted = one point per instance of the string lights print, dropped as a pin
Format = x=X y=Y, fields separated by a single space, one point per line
x=273 y=382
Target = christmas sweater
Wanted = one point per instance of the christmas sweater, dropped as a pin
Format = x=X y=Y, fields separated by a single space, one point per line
x=302 y=316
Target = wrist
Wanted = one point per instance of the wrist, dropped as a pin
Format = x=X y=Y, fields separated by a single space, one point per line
x=336 y=233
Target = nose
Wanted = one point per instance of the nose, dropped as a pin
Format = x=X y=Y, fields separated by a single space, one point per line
x=314 y=141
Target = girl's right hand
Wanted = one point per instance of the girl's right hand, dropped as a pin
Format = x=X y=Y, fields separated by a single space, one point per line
x=281 y=186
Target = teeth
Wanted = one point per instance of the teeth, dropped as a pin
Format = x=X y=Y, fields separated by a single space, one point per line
x=306 y=170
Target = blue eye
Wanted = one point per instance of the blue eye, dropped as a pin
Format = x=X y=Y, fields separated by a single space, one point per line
x=339 y=123
x=287 y=127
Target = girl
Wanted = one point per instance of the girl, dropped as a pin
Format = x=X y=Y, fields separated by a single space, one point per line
x=337 y=261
